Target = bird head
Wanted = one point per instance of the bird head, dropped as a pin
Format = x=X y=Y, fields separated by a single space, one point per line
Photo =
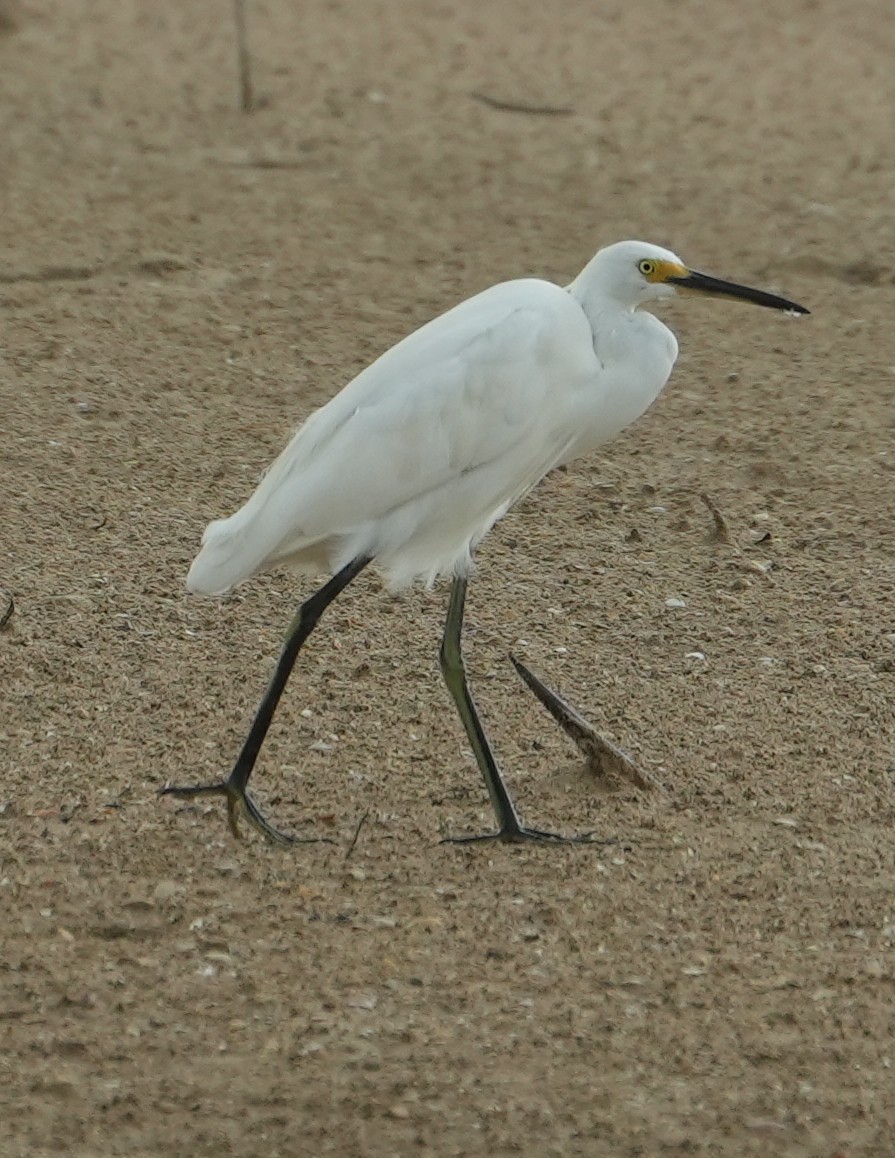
x=634 y=272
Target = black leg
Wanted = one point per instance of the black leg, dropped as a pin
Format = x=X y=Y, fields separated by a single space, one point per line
x=510 y=827
x=234 y=788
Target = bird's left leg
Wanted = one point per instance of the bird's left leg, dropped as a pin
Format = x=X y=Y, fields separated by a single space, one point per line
x=602 y=756
x=235 y=787
x=510 y=826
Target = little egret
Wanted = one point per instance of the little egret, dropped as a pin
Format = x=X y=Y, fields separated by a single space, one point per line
x=413 y=462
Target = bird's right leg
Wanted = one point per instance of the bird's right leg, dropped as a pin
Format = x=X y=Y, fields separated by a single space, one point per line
x=235 y=787
x=510 y=826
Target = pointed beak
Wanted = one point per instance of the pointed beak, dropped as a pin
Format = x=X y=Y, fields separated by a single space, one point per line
x=728 y=289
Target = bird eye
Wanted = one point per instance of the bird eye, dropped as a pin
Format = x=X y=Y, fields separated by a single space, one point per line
x=646 y=266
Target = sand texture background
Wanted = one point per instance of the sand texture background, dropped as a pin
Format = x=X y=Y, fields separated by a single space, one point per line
x=180 y=284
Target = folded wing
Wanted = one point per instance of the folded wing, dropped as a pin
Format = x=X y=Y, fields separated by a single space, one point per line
x=418 y=455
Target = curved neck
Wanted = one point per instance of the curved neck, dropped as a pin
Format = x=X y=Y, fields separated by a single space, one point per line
x=596 y=304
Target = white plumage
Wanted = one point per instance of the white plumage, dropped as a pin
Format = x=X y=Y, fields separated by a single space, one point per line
x=417 y=457
x=414 y=461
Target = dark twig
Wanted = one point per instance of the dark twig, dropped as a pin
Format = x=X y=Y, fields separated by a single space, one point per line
x=50 y=273
x=247 y=96
x=603 y=757
x=720 y=533
x=521 y=106
x=8 y=613
x=360 y=825
x=263 y=163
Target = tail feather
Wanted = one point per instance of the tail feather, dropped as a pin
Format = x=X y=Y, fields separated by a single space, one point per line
x=234 y=549
x=223 y=561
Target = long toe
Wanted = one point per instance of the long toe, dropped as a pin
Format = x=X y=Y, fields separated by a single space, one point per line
x=240 y=804
x=222 y=788
x=522 y=835
x=539 y=834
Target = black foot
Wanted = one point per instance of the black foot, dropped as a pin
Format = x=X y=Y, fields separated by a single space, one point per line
x=517 y=834
x=240 y=803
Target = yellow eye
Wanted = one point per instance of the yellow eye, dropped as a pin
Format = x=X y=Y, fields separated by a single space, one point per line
x=646 y=267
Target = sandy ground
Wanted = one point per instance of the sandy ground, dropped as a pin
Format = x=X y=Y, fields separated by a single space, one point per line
x=180 y=283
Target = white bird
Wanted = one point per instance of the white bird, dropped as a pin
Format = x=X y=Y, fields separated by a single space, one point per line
x=413 y=462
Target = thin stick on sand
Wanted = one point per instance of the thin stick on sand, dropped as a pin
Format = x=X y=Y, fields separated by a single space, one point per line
x=247 y=95
x=603 y=757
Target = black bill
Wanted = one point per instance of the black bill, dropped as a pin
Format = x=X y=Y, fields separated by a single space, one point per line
x=713 y=285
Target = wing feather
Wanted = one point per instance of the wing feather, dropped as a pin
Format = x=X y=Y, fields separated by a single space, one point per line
x=466 y=410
